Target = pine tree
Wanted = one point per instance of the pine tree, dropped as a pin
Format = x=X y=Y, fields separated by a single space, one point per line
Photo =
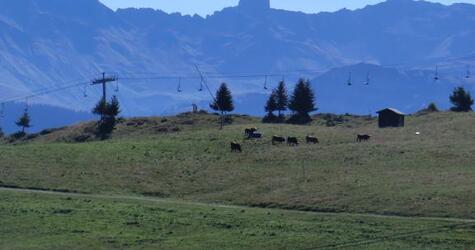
x=223 y=102
x=108 y=112
x=270 y=107
x=24 y=122
x=302 y=102
x=462 y=100
x=2 y=134
x=100 y=108
x=114 y=107
x=282 y=98
x=271 y=104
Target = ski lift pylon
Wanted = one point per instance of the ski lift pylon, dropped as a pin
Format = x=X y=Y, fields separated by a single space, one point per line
x=368 y=79
x=349 y=80
x=468 y=74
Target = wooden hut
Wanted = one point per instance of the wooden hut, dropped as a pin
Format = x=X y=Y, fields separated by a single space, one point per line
x=390 y=117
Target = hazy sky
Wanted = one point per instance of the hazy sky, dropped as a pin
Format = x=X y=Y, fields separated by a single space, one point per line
x=204 y=7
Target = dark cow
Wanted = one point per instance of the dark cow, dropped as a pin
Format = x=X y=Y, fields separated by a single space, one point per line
x=363 y=138
x=312 y=139
x=292 y=141
x=254 y=135
x=277 y=139
x=249 y=131
x=236 y=147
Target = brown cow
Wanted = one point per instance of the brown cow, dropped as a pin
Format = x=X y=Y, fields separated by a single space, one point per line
x=236 y=147
x=292 y=141
x=363 y=138
x=277 y=139
x=312 y=139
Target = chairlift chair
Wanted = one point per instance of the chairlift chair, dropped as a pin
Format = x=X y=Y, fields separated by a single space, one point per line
x=201 y=84
x=436 y=76
x=265 y=82
x=179 y=90
x=85 y=91
x=26 y=105
x=116 y=89
x=368 y=79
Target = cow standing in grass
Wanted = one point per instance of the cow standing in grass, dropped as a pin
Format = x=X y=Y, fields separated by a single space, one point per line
x=236 y=147
x=277 y=139
x=312 y=140
x=363 y=138
x=292 y=141
x=249 y=131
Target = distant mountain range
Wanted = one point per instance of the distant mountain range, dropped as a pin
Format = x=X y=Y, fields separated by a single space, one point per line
x=46 y=44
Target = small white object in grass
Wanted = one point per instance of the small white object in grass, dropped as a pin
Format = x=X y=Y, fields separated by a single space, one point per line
x=418 y=133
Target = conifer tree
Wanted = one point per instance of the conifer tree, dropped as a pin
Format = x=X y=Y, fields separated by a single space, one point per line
x=270 y=107
x=223 y=102
x=302 y=102
x=462 y=100
x=282 y=98
x=108 y=112
x=24 y=122
x=271 y=104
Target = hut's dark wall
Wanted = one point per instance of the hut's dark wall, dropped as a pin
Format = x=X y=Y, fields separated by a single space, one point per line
x=390 y=119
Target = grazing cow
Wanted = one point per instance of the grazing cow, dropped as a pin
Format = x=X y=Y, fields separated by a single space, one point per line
x=363 y=138
x=277 y=139
x=312 y=139
x=249 y=131
x=236 y=147
x=254 y=135
x=292 y=141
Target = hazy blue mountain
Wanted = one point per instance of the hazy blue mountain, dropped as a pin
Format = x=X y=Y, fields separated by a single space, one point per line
x=48 y=43
x=42 y=117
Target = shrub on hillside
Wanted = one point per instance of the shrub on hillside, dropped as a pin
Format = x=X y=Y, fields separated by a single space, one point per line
x=462 y=100
x=432 y=108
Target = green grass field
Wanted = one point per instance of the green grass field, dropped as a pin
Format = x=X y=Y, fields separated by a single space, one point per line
x=47 y=221
x=186 y=158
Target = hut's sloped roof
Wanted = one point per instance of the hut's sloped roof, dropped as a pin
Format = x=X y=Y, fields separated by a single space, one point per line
x=392 y=110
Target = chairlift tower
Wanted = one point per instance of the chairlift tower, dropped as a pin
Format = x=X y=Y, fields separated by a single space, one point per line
x=104 y=81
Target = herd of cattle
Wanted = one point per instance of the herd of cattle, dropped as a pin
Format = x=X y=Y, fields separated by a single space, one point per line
x=253 y=133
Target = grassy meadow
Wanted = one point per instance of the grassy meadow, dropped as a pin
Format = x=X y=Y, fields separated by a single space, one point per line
x=47 y=221
x=186 y=158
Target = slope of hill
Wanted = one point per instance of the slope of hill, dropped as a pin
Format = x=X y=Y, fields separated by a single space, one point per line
x=45 y=43
x=187 y=157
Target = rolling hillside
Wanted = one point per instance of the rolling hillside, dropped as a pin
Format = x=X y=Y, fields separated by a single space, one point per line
x=172 y=182
x=186 y=157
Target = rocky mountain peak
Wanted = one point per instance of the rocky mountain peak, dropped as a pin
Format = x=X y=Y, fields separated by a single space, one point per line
x=254 y=5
